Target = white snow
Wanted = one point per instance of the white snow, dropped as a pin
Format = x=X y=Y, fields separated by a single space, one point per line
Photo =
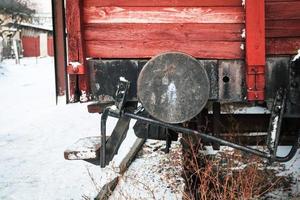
x=244 y=3
x=123 y=79
x=243 y=35
x=251 y=110
x=34 y=133
x=273 y=132
x=75 y=64
x=242 y=47
x=297 y=56
x=153 y=174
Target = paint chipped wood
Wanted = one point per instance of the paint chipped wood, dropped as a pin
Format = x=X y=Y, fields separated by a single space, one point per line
x=178 y=32
x=163 y=15
x=162 y=3
x=84 y=149
x=147 y=49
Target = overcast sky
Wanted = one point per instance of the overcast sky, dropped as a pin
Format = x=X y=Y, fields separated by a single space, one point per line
x=42 y=6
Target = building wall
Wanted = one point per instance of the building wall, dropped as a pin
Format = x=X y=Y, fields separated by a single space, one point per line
x=31 y=46
x=43 y=45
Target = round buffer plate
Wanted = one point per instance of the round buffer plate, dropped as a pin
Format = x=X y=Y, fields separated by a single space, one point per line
x=173 y=87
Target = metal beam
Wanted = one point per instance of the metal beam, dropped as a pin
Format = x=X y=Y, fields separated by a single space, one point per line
x=58 y=12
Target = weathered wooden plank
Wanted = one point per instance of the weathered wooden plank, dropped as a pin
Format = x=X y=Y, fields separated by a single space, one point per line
x=84 y=149
x=282 y=28
x=267 y=1
x=159 y=3
x=180 y=32
x=283 y=46
x=283 y=10
x=163 y=15
x=136 y=147
x=76 y=50
x=147 y=49
x=107 y=189
x=74 y=27
x=127 y=152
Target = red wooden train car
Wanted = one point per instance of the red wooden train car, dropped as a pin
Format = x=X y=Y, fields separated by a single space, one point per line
x=184 y=61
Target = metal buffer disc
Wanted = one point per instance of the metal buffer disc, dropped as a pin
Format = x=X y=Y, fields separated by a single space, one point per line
x=173 y=87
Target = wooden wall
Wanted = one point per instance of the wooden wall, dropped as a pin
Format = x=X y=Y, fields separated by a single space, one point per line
x=202 y=28
x=31 y=46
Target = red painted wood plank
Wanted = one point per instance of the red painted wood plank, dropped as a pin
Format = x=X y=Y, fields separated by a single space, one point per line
x=267 y=1
x=255 y=49
x=161 y=3
x=283 y=46
x=76 y=50
x=74 y=22
x=282 y=28
x=180 y=32
x=283 y=10
x=163 y=15
x=147 y=49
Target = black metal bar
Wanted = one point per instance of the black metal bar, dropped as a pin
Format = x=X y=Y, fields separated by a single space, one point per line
x=278 y=130
x=168 y=141
x=116 y=138
x=202 y=135
x=288 y=157
x=211 y=138
x=292 y=152
x=216 y=122
x=103 y=137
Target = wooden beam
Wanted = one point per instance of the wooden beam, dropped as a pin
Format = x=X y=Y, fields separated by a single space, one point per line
x=283 y=46
x=282 y=28
x=282 y=10
x=255 y=49
x=163 y=15
x=152 y=32
x=148 y=49
x=160 y=3
x=76 y=51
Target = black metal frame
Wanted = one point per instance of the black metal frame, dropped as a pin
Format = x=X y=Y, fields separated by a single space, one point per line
x=114 y=113
x=123 y=111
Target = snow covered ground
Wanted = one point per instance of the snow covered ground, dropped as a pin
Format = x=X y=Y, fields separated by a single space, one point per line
x=34 y=133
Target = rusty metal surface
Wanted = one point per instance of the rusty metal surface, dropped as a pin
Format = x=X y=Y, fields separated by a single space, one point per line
x=277 y=75
x=105 y=76
x=294 y=86
x=173 y=87
x=211 y=67
x=59 y=47
x=98 y=107
x=232 y=80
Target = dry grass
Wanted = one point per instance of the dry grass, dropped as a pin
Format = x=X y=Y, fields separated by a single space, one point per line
x=228 y=175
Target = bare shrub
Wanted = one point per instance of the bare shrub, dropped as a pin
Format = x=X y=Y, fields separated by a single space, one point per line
x=227 y=175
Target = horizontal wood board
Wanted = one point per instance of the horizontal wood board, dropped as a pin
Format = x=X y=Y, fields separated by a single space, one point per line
x=204 y=29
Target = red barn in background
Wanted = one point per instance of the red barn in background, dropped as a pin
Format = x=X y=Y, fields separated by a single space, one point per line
x=36 y=40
